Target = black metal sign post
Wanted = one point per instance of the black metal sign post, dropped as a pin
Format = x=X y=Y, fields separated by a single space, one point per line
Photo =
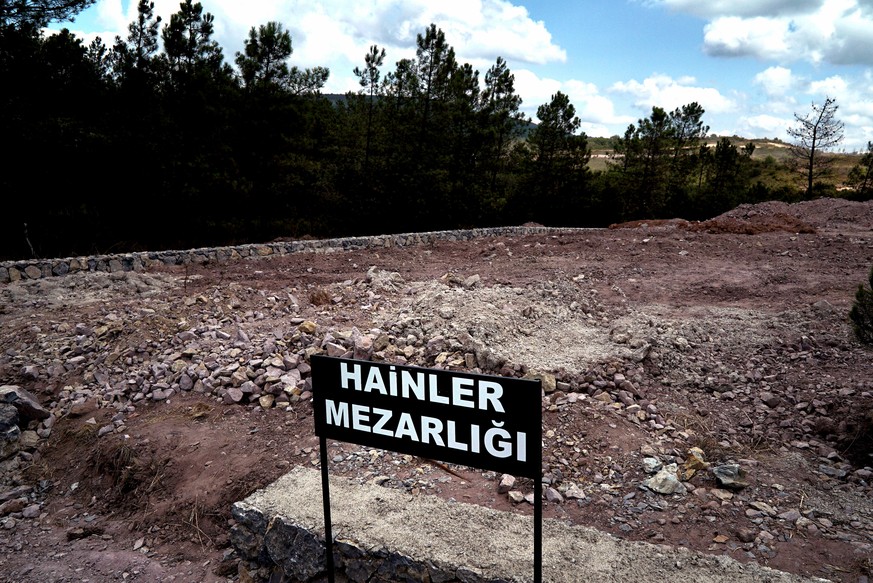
x=325 y=494
x=482 y=421
x=538 y=529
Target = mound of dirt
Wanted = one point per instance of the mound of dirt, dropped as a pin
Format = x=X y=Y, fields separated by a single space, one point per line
x=772 y=216
x=821 y=213
x=752 y=223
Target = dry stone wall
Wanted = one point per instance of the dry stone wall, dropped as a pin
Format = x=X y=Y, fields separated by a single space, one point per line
x=12 y=271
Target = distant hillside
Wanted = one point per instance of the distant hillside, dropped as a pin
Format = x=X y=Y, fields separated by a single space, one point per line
x=771 y=152
x=763 y=146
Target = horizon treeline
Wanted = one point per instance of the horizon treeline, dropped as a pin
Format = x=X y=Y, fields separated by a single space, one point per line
x=156 y=141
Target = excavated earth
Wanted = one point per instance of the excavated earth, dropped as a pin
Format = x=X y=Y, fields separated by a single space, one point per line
x=720 y=345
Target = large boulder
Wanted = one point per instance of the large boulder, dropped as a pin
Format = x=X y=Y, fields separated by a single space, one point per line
x=24 y=401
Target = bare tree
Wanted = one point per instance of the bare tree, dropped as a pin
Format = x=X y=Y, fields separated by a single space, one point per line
x=816 y=132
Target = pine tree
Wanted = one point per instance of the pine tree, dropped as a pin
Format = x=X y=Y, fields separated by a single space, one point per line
x=190 y=51
x=862 y=312
x=861 y=175
x=40 y=12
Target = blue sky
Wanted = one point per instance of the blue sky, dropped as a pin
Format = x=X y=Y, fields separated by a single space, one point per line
x=751 y=64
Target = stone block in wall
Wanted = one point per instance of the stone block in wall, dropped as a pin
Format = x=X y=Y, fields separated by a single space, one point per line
x=247 y=535
x=294 y=549
x=33 y=272
x=198 y=258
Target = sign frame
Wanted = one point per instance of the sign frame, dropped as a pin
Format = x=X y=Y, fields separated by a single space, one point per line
x=482 y=421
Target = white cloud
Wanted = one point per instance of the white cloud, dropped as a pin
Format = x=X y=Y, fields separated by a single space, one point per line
x=338 y=33
x=780 y=87
x=534 y=90
x=853 y=38
x=597 y=130
x=475 y=28
x=777 y=82
x=832 y=86
x=859 y=110
x=734 y=36
x=595 y=111
x=764 y=126
x=712 y=8
x=111 y=14
x=832 y=31
x=492 y=28
x=591 y=106
x=668 y=93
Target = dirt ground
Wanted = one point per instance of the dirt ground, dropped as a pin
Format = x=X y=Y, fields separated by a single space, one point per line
x=731 y=336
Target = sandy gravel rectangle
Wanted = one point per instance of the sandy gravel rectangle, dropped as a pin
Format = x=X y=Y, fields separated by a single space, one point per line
x=485 y=541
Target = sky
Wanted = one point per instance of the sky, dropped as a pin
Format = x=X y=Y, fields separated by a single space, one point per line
x=751 y=64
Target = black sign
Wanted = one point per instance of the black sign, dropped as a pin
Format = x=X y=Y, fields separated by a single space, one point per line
x=487 y=422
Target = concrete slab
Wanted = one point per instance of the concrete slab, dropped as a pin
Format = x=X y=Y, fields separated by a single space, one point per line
x=388 y=535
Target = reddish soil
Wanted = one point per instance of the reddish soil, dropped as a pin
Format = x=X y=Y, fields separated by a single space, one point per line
x=754 y=302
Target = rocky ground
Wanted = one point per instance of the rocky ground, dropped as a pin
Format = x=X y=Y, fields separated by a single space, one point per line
x=703 y=389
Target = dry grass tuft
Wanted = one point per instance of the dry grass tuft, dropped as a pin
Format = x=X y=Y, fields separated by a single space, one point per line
x=200 y=411
x=125 y=472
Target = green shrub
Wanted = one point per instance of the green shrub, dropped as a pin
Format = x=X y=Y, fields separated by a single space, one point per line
x=862 y=312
